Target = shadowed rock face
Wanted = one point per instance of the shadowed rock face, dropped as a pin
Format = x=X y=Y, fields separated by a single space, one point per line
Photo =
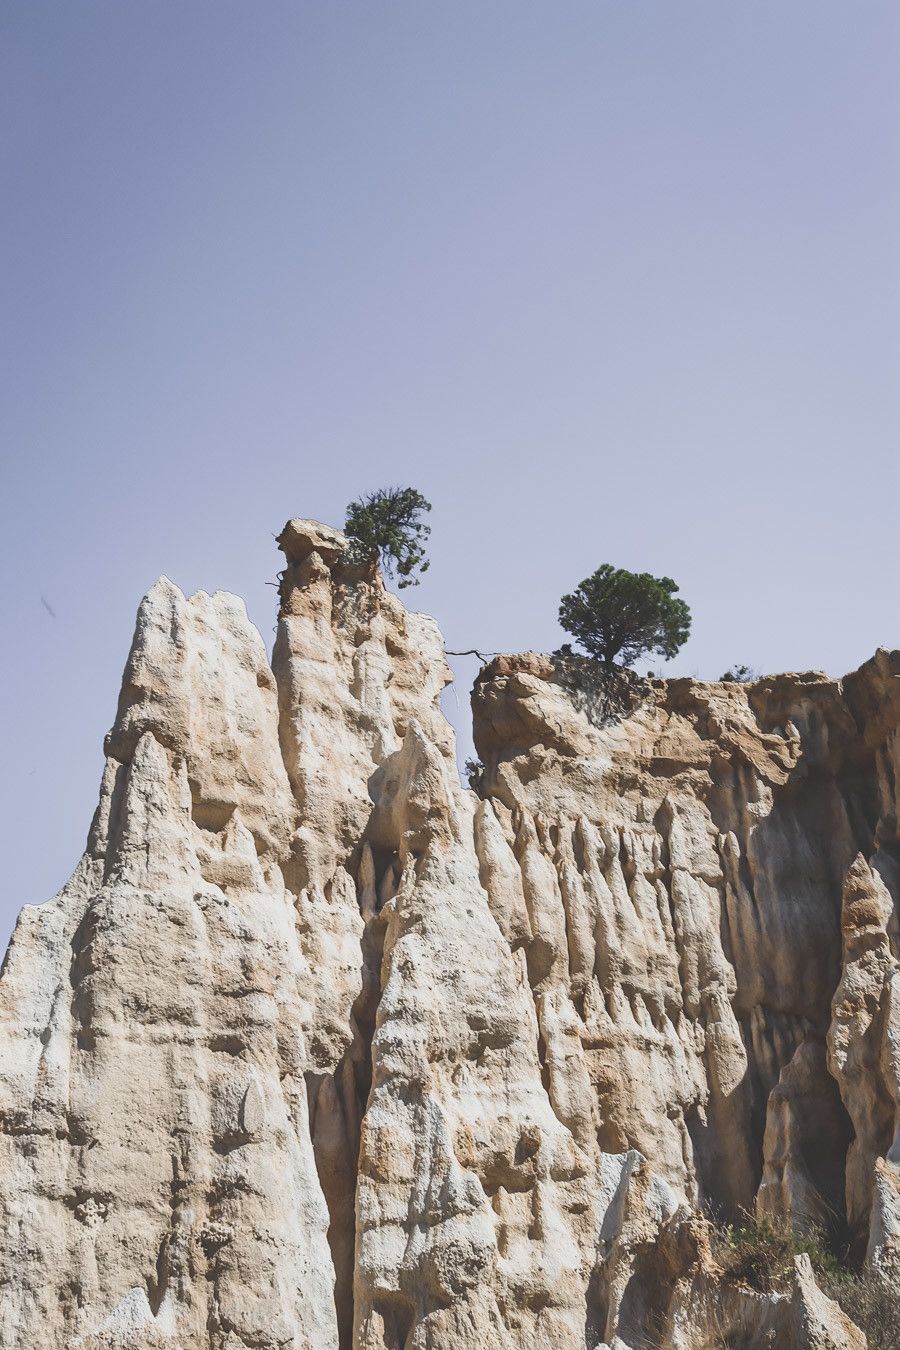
x=317 y=1049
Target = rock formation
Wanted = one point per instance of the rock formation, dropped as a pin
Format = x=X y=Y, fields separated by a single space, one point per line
x=319 y=1050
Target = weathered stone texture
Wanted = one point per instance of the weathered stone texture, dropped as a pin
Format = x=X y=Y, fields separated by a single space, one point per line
x=318 y=1049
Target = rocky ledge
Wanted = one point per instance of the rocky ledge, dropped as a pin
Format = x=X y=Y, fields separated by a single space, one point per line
x=317 y=1049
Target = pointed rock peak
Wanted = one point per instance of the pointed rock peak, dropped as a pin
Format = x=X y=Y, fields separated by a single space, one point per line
x=159 y=610
x=160 y=618
x=164 y=588
x=233 y=606
x=165 y=595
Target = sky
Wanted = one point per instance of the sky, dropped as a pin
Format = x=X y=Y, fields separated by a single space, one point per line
x=607 y=280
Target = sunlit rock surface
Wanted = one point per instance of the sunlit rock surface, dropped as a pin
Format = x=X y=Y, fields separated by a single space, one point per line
x=319 y=1050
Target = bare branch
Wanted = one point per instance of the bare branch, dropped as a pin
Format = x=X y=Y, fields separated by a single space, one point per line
x=473 y=651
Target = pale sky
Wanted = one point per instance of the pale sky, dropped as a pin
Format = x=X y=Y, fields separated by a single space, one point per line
x=608 y=280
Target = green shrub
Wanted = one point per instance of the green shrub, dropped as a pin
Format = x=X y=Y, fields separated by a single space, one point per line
x=760 y=1252
x=614 y=613
x=386 y=527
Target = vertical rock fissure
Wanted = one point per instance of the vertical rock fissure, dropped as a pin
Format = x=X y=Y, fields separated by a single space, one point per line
x=338 y=1103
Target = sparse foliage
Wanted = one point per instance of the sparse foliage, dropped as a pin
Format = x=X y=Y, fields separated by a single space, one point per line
x=614 y=613
x=605 y=694
x=386 y=527
x=474 y=771
x=872 y=1301
x=760 y=1251
x=739 y=675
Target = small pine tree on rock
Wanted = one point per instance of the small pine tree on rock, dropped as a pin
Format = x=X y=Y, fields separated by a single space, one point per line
x=614 y=613
x=386 y=527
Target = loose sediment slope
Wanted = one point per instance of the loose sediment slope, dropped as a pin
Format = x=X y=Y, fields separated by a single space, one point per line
x=317 y=1049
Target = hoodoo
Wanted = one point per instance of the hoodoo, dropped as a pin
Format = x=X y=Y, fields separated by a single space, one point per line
x=318 y=1049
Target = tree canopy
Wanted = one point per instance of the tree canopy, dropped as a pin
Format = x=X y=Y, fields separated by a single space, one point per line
x=614 y=613
x=386 y=527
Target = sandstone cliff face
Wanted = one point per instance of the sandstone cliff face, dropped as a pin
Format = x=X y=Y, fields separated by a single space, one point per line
x=318 y=1049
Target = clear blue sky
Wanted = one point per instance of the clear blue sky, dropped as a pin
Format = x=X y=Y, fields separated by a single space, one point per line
x=608 y=280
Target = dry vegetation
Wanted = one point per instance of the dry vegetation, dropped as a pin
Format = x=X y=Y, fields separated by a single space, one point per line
x=760 y=1252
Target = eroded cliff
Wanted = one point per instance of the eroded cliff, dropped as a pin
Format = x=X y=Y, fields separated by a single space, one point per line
x=318 y=1049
